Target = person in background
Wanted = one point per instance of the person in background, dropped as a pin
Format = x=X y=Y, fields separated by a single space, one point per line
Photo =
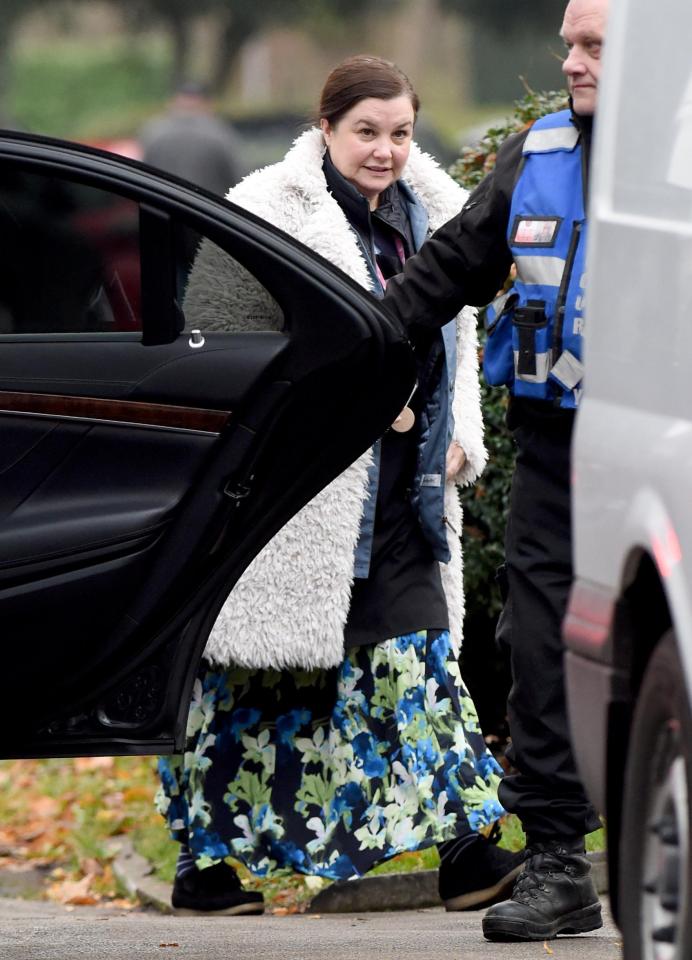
x=190 y=141
x=531 y=211
x=330 y=728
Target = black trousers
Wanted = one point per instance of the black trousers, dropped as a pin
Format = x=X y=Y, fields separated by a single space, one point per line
x=545 y=793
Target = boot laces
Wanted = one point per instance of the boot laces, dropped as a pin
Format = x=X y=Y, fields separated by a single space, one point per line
x=531 y=882
x=528 y=885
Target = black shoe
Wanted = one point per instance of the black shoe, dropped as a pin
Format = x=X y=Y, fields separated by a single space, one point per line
x=216 y=890
x=476 y=873
x=555 y=894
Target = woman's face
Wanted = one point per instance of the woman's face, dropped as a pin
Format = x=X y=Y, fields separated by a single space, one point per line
x=370 y=144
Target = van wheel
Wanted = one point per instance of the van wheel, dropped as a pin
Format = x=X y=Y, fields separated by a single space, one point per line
x=655 y=865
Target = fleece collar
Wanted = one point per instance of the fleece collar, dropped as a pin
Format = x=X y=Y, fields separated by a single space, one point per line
x=440 y=196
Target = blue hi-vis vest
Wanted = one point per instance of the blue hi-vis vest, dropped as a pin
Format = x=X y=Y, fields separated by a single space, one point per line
x=534 y=342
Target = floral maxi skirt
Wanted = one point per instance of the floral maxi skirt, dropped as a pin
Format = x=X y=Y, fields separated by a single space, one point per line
x=329 y=772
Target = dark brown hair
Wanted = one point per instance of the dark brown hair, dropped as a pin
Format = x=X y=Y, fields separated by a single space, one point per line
x=358 y=78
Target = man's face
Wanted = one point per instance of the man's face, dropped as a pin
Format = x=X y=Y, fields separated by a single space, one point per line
x=583 y=30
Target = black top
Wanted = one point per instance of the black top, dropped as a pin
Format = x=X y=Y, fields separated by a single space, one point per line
x=403 y=591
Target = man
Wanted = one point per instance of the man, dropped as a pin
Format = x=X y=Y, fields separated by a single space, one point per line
x=530 y=211
x=190 y=142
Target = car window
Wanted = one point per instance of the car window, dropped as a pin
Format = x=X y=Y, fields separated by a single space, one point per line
x=653 y=155
x=72 y=263
x=220 y=295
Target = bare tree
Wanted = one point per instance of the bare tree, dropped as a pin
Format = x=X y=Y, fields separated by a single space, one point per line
x=237 y=21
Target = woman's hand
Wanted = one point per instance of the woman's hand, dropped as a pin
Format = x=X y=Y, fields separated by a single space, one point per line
x=456 y=458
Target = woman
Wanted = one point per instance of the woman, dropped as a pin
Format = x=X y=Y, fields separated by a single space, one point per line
x=330 y=728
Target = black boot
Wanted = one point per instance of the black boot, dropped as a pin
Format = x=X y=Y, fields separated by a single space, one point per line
x=214 y=891
x=554 y=894
x=474 y=872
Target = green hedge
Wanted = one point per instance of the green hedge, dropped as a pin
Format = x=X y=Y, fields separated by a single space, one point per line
x=78 y=92
x=485 y=503
x=485 y=667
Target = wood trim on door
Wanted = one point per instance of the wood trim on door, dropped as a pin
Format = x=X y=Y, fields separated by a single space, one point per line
x=119 y=411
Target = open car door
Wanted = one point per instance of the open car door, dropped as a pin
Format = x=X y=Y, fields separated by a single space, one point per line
x=146 y=459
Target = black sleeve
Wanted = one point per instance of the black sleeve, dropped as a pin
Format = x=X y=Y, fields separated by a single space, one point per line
x=467 y=260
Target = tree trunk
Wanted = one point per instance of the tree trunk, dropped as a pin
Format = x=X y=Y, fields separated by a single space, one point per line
x=234 y=32
x=179 y=29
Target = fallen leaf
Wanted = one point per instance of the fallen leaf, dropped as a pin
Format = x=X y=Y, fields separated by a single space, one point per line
x=75 y=892
x=137 y=793
x=119 y=903
x=548 y=949
x=114 y=800
x=33 y=830
x=107 y=816
x=90 y=866
x=280 y=911
x=93 y=763
x=169 y=944
x=45 y=807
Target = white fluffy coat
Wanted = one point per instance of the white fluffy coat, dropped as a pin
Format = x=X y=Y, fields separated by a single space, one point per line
x=289 y=608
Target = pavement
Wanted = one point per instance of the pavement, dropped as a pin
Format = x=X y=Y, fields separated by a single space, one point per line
x=387 y=917
x=37 y=930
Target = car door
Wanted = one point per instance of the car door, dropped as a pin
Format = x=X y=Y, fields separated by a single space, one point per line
x=152 y=443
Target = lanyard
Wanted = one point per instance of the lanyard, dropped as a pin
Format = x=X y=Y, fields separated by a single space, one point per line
x=401 y=253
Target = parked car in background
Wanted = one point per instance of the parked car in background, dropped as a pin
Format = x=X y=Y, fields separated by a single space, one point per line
x=144 y=460
x=123 y=146
x=629 y=625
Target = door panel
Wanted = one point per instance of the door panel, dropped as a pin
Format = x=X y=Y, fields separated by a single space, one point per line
x=59 y=498
x=216 y=377
x=144 y=466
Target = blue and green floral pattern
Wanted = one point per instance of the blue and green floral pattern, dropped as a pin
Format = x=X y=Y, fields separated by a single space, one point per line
x=330 y=772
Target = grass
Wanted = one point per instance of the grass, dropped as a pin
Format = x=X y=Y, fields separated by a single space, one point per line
x=514 y=838
x=83 y=92
x=59 y=816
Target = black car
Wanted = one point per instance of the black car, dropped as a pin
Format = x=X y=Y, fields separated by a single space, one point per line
x=145 y=461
